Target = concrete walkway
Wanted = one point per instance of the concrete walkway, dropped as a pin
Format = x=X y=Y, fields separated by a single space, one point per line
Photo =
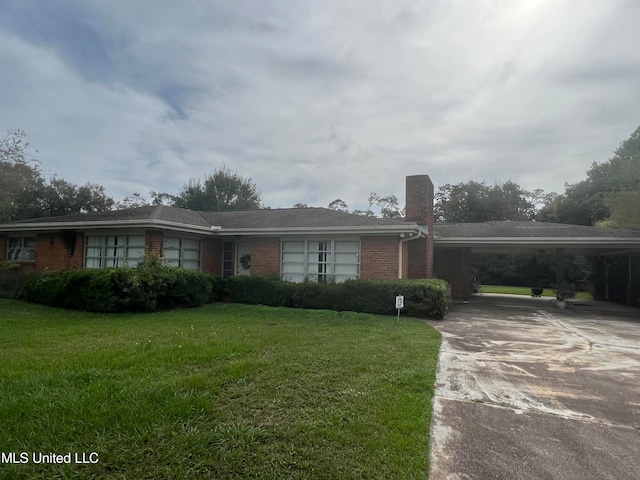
x=527 y=391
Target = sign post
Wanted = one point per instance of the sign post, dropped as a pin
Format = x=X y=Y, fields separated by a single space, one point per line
x=399 y=304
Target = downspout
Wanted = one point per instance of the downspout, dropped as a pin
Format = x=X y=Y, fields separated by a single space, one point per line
x=422 y=233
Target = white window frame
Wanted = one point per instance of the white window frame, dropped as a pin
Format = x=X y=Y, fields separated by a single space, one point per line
x=113 y=250
x=21 y=252
x=181 y=252
x=322 y=271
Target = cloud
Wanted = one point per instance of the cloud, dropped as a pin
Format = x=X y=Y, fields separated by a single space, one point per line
x=320 y=100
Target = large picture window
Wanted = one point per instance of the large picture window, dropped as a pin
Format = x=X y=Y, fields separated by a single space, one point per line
x=113 y=251
x=181 y=252
x=21 y=249
x=320 y=261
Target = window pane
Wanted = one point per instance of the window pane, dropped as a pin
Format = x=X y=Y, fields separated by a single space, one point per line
x=15 y=242
x=136 y=241
x=170 y=242
x=92 y=263
x=191 y=255
x=293 y=267
x=347 y=246
x=135 y=252
x=189 y=243
x=171 y=254
x=293 y=246
x=293 y=257
x=346 y=258
x=94 y=251
x=94 y=241
x=30 y=242
x=190 y=264
x=172 y=262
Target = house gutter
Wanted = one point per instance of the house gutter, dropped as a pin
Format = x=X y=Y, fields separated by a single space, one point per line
x=422 y=233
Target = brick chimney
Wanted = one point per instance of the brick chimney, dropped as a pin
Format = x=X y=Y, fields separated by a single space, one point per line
x=419 y=208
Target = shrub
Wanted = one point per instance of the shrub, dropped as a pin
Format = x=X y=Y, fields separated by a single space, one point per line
x=425 y=298
x=12 y=279
x=144 y=288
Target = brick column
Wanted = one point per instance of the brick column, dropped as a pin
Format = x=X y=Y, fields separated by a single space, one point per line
x=265 y=256
x=153 y=241
x=419 y=208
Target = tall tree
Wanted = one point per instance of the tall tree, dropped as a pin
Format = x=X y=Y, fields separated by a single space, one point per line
x=221 y=190
x=593 y=199
x=18 y=172
x=473 y=202
x=25 y=193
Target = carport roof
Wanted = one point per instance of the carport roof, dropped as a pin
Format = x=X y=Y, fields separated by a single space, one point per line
x=536 y=237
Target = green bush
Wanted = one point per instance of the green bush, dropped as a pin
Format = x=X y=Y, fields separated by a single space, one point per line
x=147 y=287
x=12 y=278
x=425 y=298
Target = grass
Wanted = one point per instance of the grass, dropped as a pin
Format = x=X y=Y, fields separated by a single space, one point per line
x=547 y=292
x=224 y=391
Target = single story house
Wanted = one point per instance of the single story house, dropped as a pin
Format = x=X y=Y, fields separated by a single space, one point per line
x=297 y=244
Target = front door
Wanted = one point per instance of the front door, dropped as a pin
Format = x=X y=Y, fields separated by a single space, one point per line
x=243 y=257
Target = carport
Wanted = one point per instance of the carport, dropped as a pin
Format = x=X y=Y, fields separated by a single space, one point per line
x=455 y=243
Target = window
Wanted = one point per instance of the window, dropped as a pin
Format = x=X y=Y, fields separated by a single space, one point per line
x=320 y=261
x=181 y=252
x=227 y=260
x=113 y=251
x=21 y=249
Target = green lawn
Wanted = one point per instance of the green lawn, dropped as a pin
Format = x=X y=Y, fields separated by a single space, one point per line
x=224 y=391
x=548 y=292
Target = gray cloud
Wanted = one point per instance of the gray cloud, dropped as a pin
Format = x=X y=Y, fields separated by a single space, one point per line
x=320 y=100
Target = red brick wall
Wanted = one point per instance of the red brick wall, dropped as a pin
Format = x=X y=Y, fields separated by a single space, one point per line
x=419 y=208
x=3 y=248
x=454 y=266
x=53 y=254
x=379 y=258
x=153 y=241
x=265 y=256
x=212 y=256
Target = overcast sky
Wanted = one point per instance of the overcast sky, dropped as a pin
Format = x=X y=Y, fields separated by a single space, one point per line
x=317 y=100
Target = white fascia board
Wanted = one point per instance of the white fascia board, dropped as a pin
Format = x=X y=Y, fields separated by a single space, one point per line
x=547 y=241
x=368 y=230
x=110 y=224
x=214 y=230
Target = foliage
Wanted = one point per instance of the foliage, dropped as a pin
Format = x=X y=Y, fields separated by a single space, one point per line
x=605 y=191
x=147 y=287
x=18 y=171
x=388 y=206
x=474 y=202
x=624 y=211
x=25 y=193
x=59 y=197
x=530 y=270
x=12 y=279
x=223 y=391
x=221 y=190
x=423 y=298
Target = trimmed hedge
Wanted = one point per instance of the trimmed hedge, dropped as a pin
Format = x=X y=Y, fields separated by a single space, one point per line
x=139 y=289
x=424 y=298
x=12 y=279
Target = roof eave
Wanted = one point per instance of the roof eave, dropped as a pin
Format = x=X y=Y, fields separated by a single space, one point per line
x=107 y=224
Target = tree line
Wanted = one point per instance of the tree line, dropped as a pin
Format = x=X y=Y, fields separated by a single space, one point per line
x=608 y=196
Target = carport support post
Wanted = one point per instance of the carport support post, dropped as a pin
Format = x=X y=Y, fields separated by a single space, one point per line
x=560 y=273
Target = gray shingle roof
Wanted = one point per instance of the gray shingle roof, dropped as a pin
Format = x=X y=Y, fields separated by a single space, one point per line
x=268 y=218
x=527 y=230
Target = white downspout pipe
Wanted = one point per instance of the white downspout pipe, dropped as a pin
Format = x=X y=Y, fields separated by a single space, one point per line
x=403 y=240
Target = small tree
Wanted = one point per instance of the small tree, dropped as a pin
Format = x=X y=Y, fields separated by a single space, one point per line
x=222 y=190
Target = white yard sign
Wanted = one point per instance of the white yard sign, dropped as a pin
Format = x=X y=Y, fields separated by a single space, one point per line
x=399 y=304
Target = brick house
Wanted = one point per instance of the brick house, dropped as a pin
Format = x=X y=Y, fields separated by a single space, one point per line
x=316 y=244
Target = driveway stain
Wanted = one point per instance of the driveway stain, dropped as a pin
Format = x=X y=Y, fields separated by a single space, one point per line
x=510 y=370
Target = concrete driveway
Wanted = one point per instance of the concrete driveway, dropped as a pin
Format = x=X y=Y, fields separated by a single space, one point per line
x=527 y=391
